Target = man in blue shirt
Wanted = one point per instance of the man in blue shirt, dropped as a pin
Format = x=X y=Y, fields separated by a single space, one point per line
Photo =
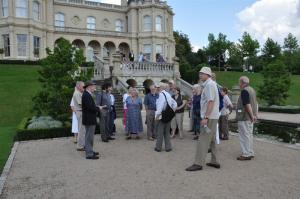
x=150 y=105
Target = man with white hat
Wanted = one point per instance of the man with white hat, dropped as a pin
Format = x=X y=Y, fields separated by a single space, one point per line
x=209 y=115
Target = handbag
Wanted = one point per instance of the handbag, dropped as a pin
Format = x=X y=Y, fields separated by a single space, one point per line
x=168 y=113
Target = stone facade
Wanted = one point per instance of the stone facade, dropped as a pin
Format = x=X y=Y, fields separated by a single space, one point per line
x=27 y=27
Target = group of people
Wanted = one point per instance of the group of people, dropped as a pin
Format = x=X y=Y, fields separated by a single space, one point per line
x=209 y=106
x=85 y=112
x=141 y=58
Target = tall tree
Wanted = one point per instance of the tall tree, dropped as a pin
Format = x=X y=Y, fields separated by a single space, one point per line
x=58 y=76
x=235 y=56
x=183 y=45
x=290 y=44
x=217 y=47
x=271 y=51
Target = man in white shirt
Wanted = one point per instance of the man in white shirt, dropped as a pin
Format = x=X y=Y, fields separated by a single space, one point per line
x=163 y=129
x=209 y=115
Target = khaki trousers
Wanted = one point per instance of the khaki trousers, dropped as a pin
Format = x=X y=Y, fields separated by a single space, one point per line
x=206 y=141
x=245 y=129
x=177 y=121
x=81 y=131
x=151 y=124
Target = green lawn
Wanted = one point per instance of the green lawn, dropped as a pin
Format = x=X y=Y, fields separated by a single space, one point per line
x=18 y=84
x=229 y=79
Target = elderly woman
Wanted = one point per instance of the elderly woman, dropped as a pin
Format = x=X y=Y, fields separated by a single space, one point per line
x=196 y=109
x=134 y=123
x=177 y=121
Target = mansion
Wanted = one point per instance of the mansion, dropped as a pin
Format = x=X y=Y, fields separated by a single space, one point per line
x=28 y=27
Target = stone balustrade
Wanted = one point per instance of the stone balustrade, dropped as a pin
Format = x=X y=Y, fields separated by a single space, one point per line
x=147 y=69
x=93 y=4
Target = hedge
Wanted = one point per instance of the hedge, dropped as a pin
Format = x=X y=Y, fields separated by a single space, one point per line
x=21 y=62
x=281 y=109
x=24 y=134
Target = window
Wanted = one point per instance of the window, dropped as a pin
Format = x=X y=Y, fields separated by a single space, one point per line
x=59 y=21
x=119 y=25
x=36 y=10
x=21 y=8
x=22 y=45
x=91 y=23
x=158 y=24
x=6 y=45
x=148 y=51
x=36 y=46
x=147 y=23
x=159 y=49
x=4 y=8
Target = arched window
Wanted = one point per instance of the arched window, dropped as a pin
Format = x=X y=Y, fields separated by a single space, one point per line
x=21 y=8
x=5 y=8
x=59 y=20
x=36 y=10
x=91 y=23
x=158 y=23
x=147 y=23
x=119 y=25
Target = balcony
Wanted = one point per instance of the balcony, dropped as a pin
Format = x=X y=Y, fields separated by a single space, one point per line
x=92 y=4
x=84 y=31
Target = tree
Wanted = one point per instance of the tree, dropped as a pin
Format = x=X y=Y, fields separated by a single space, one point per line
x=58 y=76
x=290 y=44
x=217 y=47
x=271 y=51
x=235 y=56
x=183 y=45
x=276 y=83
x=249 y=49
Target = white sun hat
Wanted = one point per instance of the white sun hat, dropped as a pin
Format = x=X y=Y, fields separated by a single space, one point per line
x=205 y=70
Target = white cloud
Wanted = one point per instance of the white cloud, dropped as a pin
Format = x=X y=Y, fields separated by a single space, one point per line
x=271 y=18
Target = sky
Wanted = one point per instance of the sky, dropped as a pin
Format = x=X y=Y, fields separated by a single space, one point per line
x=261 y=18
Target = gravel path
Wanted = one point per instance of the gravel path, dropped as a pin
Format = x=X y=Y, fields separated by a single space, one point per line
x=132 y=170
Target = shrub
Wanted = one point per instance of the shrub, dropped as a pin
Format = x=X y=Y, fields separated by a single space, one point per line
x=281 y=109
x=276 y=83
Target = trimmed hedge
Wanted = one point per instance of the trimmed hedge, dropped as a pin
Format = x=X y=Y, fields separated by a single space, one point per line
x=281 y=109
x=21 y=62
x=24 y=134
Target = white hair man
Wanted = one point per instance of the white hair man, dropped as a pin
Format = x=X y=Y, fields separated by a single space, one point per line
x=163 y=129
x=208 y=127
x=246 y=115
x=77 y=99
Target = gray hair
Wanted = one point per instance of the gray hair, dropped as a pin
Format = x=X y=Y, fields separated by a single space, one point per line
x=78 y=83
x=244 y=80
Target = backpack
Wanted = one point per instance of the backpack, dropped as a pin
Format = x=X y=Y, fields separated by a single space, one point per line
x=168 y=113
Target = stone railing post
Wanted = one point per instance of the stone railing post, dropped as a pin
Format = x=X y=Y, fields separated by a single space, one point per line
x=234 y=95
x=116 y=67
x=176 y=68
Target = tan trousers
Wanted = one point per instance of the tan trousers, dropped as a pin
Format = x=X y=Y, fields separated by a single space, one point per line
x=177 y=121
x=206 y=141
x=245 y=129
x=81 y=131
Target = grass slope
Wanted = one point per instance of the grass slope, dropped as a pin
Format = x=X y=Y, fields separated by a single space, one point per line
x=229 y=79
x=18 y=84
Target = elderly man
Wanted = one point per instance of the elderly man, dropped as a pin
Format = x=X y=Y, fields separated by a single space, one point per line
x=77 y=96
x=246 y=115
x=171 y=88
x=163 y=129
x=209 y=120
x=150 y=105
x=104 y=99
x=89 y=119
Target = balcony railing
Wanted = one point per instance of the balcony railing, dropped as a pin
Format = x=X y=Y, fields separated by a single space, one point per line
x=92 y=4
x=147 y=68
x=91 y=32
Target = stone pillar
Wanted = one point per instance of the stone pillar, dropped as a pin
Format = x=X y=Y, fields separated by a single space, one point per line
x=106 y=72
x=234 y=95
x=116 y=67
x=176 y=68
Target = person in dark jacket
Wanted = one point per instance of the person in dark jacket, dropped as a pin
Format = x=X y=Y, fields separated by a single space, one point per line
x=89 y=114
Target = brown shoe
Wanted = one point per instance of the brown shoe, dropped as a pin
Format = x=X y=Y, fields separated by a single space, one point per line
x=243 y=158
x=215 y=165
x=80 y=149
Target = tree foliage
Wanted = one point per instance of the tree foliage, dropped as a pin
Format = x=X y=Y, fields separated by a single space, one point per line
x=60 y=71
x=276 y=83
